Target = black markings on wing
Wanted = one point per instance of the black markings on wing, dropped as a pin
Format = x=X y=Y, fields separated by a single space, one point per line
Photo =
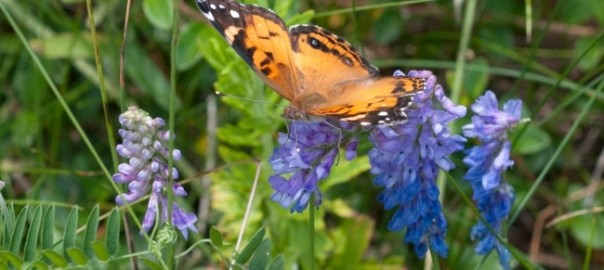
x=221 y=14
x=260 y=38
x=337 y=46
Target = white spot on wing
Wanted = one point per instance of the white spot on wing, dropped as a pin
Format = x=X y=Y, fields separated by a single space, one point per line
x=354 y=118
x=212 y=6
x=220 y=6
x=383 y=113
x=234 y=14
x=365 y=124
x=209 y=16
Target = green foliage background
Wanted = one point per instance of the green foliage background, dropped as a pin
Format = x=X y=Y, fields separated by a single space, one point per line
x=548 y=53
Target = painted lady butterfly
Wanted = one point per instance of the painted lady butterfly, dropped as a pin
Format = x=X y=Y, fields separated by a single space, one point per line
x=320 y=73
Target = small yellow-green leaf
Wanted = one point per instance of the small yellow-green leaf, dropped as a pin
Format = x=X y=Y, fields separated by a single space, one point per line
x=11 y=258
x=55 y=258
x=159 y=12
x=77 y=256
x=100 y=251
x=38 y=265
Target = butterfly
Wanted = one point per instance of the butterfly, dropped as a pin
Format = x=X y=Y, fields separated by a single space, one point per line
x=320 y=73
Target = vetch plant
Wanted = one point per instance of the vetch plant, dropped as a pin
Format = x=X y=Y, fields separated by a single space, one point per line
x=405 y=160
x=487 y=162
x=146 y=172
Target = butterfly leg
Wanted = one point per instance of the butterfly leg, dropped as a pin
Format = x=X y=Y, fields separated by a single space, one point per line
x=295 y=135
x=339 y=129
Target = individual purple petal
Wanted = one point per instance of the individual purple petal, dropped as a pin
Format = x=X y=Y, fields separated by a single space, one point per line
x=351 y=149
x=183 y=221
x=149 y=218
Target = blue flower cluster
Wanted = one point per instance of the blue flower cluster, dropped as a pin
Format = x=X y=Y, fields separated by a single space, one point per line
x=406 y=159
x=487 y=163
x=308 y=156
x=145 y=145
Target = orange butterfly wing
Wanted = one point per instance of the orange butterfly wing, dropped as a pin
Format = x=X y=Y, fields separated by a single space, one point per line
x=259 y=36
x=326 y=60
x=319 y=72
x=340 y=83
x=373 y=102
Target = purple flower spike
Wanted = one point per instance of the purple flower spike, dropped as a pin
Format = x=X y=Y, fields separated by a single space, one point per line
x=406 y=159
x=487 y=163
x=147 y=170
x=308 y=155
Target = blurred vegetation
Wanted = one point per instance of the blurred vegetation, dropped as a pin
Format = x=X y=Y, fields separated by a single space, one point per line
x=549 y=53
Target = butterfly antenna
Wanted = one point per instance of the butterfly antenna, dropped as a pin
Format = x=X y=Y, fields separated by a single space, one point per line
x=221 y=94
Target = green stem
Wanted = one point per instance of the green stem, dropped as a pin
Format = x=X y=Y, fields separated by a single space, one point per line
x=311 y=233
x=466 y=33
x=175 y=23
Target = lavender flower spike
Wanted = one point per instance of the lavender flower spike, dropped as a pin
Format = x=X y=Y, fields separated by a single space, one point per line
x=406 y=159
x=145 y=144
x=487 y=163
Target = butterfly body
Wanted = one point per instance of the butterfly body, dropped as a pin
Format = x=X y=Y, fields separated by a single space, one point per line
x=319 y=72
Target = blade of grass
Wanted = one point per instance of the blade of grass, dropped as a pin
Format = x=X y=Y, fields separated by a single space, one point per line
x=536 y=44
x=551 y=90
x=102 y=88
x=311 y=233
x=567 y=101
x=528 y=18
x=460 y=63
x=369 y=7
x=589 y=250
x=248 y=210
x=175 y=26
